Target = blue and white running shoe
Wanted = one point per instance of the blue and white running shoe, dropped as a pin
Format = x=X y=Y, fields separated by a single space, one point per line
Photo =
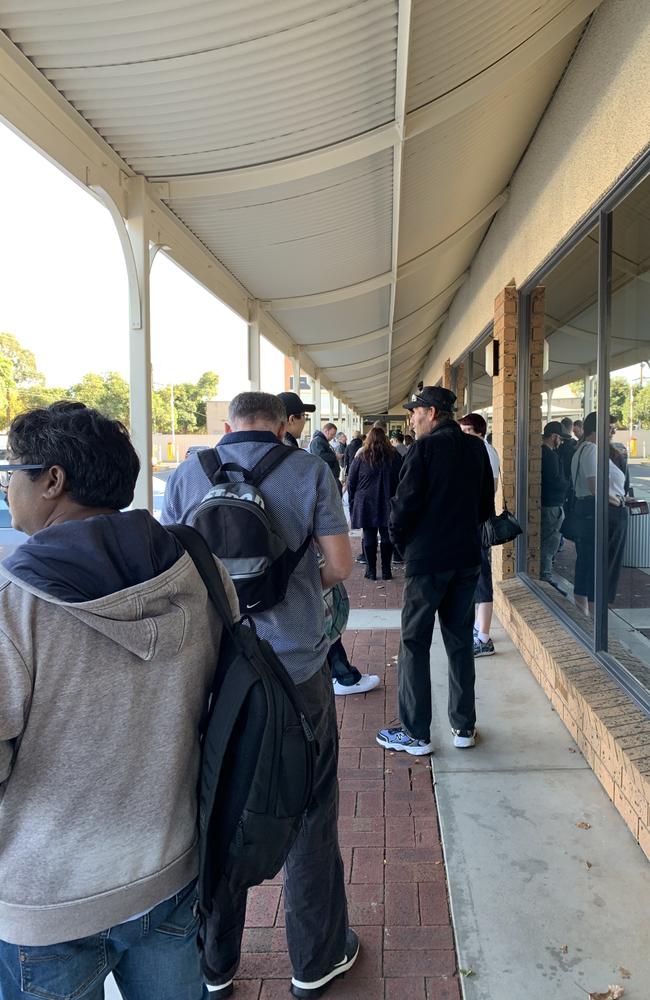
x=397 y=739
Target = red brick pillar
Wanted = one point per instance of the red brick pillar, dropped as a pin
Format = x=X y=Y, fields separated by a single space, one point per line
x=461 y=385
x=504 y=418
x=537 y=329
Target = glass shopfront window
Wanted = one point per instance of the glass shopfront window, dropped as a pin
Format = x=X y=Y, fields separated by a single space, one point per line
x=586 y=487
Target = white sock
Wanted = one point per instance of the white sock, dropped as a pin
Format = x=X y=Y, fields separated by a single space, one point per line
x=483 y=637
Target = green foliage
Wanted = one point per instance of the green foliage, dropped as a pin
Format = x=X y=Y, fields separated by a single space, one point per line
x=22 y=361
x=108 y=393
x=619 y=398
x=22 y=387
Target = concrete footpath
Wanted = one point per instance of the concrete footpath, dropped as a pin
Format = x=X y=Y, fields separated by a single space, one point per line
x=549 y=891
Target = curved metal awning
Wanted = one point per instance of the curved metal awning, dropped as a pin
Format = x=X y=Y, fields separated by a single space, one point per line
x=338 y=163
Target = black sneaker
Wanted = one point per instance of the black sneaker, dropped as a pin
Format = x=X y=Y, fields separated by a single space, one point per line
x=483 y=648
x=318 y=986
x=361 y=558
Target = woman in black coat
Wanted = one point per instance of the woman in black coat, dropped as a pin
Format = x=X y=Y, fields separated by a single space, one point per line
x=372 y=482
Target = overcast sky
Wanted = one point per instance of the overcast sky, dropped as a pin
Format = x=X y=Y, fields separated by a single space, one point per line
x=64 y=289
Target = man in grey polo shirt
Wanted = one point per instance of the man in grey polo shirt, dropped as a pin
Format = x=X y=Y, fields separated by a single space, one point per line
x=301 y=498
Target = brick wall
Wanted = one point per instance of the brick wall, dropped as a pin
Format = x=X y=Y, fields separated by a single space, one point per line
x=461 y=384
x=613 y=735
x=504 y=418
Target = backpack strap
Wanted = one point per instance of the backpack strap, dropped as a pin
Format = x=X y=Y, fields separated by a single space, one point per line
x=270 y=461
x=210 y=463
x=197 y=548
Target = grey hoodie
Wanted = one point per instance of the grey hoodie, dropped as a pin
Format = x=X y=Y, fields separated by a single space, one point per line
x=99 y=711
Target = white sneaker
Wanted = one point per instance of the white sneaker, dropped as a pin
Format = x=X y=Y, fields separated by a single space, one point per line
x=225 y=990
x=464 y=738
x=368 y=682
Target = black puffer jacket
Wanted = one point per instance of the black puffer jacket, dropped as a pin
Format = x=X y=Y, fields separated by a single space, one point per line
x=445 y=491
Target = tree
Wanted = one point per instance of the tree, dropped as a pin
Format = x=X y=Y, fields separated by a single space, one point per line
x=108 y=393
x=641 y=411
x=34 y=396
x=17 y=371
x=23 y=362
x=619 y=398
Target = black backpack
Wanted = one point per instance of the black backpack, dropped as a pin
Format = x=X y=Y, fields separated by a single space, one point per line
x=257 y=763
x=233 y=520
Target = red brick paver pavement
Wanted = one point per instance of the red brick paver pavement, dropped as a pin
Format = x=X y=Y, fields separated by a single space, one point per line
x=397 y=893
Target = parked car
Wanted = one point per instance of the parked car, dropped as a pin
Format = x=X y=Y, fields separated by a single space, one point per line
x=10 y=538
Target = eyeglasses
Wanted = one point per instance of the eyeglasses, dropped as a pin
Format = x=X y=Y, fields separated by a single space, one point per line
x=7 y=471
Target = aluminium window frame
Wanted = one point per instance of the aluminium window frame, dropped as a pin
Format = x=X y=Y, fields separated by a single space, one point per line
x=600 y=216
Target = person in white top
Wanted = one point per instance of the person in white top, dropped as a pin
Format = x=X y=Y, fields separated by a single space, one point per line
x=583 y=477
x=474 y=423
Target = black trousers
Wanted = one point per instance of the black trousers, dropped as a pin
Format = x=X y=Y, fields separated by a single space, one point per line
x=451 y=595
x=342 y=669
x=315 y=906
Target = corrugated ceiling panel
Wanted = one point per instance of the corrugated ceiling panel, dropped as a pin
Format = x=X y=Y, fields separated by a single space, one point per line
x=313 y=235
x=349 y=318
x=351 y=355
x=429 y=283
x=453 y=42
x=211 y=86
x=452 y=172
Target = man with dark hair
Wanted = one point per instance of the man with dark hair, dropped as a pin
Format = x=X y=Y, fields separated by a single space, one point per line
x=566 y=448
x=397 y=441
x=320 y=445
x=103 y=687
x=555 y=485
x=476 y=424
x=301 y=499
x=296 y=417
x=445 y=491
x=352 y=449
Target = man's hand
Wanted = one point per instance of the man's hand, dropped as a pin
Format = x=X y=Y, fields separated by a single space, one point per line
x=337 y=553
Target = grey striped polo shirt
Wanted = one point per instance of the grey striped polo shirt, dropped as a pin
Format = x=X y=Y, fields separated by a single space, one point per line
x=301 y=497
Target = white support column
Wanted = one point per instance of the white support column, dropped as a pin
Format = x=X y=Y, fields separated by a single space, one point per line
x=317 y=414
x=140 y=339
x=254 y=374
x=331 y=406
x=295 y=365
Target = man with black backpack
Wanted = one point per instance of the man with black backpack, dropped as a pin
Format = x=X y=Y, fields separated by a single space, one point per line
x=299 y=501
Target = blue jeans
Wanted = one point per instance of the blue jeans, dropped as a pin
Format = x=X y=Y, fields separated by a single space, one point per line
x=152 y=958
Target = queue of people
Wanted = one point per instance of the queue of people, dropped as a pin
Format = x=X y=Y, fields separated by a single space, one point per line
x=110 y=648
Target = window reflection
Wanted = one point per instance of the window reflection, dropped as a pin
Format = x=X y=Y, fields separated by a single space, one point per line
x=629 y=405
x=563 y=386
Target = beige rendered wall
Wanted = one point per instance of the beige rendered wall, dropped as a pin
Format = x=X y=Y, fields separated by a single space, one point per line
x=596 y=125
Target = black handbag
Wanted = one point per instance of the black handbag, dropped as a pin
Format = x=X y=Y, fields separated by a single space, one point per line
x=578 y=513
x=501 y=528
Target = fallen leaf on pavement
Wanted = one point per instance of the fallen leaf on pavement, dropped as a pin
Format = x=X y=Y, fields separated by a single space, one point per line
x=564 y=948
x=583 y=826
x=588 y=865
x=613 y=993
x=466 y=972
x=625 y=973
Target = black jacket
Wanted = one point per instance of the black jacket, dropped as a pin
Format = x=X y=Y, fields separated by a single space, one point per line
x=319 y=445
x=445 y=491
x=350 y=453
x=555 y=484
x=370 y=488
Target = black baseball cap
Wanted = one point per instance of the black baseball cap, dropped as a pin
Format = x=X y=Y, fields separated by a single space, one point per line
x=433 y=395
x=555 y=427
x=294 y=405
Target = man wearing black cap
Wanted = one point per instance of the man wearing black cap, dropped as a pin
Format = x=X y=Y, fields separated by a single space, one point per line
x=555 y=486
x=296 y=416
x=445 y=491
